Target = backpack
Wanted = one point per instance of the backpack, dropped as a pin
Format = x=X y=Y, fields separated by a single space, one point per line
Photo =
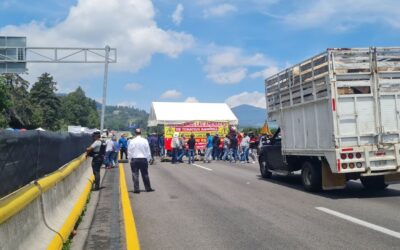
x=101 y=152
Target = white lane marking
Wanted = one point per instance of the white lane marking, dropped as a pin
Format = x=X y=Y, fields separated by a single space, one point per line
x=209 y=169
x=360 y=222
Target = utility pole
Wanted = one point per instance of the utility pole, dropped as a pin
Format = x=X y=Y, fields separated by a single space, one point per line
x=103 y=106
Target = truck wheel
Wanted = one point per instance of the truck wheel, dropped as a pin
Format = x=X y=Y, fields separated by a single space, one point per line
x=374 y=182
x=311 y=176
x=265 y=173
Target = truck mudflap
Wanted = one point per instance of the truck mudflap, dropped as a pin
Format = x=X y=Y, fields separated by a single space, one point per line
x=331 y=181
x=392 y=178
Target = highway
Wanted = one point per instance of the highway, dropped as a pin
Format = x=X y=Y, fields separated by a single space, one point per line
x=223 y=206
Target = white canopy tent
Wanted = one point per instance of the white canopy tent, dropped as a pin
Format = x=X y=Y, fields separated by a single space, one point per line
x=180 y=112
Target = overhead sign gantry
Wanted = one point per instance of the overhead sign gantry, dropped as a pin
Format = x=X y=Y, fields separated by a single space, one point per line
x=14 y=55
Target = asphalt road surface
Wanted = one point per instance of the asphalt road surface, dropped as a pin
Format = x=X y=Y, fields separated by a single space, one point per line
x=223 y=206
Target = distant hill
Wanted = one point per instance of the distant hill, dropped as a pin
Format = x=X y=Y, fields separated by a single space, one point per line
x=250 y=116
x=121 y=117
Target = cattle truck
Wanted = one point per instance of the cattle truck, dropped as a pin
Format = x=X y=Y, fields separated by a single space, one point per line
x=339 y=119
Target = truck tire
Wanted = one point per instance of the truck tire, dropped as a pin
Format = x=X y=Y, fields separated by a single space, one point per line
x=311 y=176
x=265 y=173
x=374 y=182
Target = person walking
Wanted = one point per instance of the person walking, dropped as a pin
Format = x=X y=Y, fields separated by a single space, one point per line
x=96 y=151
x=139 y=155
x=209 y=148
x=123 y=144
x=191 y=148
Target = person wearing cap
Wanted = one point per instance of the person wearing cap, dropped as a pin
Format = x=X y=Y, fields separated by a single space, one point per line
x=139 y=155
x=97 y=160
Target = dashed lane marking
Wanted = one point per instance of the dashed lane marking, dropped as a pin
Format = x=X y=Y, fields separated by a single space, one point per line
x=199 y=166
x=360 y=222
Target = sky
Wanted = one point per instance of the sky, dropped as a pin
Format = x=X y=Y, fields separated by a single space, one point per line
x=193 y=50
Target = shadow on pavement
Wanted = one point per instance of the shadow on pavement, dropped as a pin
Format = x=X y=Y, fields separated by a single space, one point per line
x=353 y=189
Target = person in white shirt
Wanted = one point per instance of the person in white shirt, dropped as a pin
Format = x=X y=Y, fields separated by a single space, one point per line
x=139 y=155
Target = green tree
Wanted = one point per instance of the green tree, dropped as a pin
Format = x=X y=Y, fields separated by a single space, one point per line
x=77 y=109
x=5 y=102
x=19 y=113
x=44 y=97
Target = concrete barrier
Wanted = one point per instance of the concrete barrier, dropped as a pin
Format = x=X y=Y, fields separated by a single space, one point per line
x=40 y=215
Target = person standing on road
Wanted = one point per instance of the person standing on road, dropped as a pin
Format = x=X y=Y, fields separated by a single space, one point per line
x=215 y=152
x=245 y=144
x=181 y=149
x=139 y=155
x=253 y=147
x=209 y=148
x=175 y=147
x=153 y=142
x=191 y=148
x=161 y=144
x=233 y=148
x=115 y=153
x=97 y=155
x=226 y=148
x=123 y=143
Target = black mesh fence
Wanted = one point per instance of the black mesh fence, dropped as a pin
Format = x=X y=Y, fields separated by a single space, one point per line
x=28 y=155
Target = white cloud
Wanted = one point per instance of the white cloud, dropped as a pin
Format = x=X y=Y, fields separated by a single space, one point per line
x=231 y=65
x=191 y=99
x=171 y=94
x=345 y=14
x=127 y=25
x=219 y=10
x=133 y=86
x=255 y=98
x=267 y=72
x=126 y=104
x=228 y=77
x=177 y=16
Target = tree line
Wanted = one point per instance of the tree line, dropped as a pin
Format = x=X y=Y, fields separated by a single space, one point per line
x=40 y=106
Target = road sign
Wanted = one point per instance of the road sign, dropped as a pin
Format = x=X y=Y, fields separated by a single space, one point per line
x=12 y=54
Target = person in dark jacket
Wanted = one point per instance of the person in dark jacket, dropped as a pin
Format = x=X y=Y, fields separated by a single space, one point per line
x=191 y=148
x=233 y=147
x=216 y=141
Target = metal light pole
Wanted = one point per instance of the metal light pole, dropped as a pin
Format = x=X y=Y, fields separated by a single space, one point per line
x=103 y=106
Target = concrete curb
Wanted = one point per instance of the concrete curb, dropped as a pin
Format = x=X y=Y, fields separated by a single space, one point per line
x=36 y=223
x=82 y=232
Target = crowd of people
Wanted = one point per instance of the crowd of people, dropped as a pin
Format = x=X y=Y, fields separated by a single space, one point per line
x=234 y=147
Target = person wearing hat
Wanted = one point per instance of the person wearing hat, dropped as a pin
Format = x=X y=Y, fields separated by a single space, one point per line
x=97 y=155
x=139 y=155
